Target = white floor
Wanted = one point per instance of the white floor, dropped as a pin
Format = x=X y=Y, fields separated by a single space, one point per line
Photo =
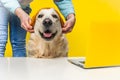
x=52 y=69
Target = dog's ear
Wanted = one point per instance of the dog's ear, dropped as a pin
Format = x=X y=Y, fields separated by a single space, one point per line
x=34 y=19
x=61 y=19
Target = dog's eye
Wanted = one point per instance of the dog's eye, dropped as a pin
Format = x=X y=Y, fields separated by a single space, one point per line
x=55 y=16
x=40 y=16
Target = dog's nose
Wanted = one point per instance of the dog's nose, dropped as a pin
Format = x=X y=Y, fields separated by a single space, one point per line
x=47 y=22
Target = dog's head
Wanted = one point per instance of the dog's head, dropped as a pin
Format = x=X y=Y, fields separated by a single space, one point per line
x=48 y=24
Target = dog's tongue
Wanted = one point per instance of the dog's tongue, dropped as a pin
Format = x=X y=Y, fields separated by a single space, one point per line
x=47 y=35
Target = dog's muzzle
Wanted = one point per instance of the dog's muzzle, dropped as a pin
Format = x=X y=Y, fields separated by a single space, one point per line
x=47 y=35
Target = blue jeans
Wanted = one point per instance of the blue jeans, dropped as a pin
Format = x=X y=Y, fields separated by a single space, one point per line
x=17 y=33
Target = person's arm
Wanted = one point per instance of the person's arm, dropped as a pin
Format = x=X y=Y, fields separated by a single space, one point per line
x=25 y=19
x=14 y=7
x=11 y=5
x=67 y=9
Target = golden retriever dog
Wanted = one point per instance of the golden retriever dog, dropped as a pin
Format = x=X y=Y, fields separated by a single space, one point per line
x=47 y=41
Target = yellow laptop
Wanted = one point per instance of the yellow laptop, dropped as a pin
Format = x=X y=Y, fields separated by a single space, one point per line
x=102 y=47
x=97 y=34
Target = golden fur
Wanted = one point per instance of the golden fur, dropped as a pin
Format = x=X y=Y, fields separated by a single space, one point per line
x=41 y=48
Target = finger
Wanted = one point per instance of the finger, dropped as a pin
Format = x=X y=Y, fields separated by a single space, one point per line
x=67 y=30
x=64 y=32
x=28 y=26
x=30 y=21
x=66 y=27
x=65 y=24
x=31 y=31
x=70 y=29
x=24 y=27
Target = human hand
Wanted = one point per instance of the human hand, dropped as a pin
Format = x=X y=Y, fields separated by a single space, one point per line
x=69 y=24
x=25 y=20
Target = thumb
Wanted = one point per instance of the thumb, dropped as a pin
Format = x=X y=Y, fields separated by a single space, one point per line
x=64 y=25
x=29 y=21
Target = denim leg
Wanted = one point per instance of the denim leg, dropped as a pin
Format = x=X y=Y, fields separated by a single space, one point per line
x=17 y=37
x=4 y=18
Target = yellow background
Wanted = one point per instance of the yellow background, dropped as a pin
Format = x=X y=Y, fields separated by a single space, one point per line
x=94 y=15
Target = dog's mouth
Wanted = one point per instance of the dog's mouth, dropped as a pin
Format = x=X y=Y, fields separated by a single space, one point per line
x=48 y=35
